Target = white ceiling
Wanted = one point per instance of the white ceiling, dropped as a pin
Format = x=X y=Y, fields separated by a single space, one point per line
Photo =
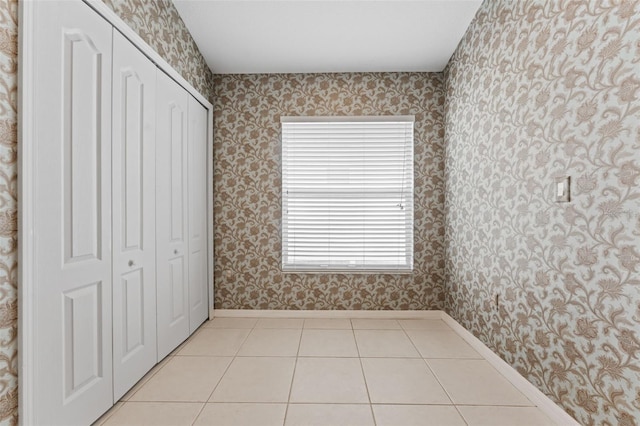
x=302 y=36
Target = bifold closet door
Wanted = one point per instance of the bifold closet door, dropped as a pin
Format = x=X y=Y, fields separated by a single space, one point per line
x=72 y=358
x=198 y=137
x=133 y=202
x=171 y=214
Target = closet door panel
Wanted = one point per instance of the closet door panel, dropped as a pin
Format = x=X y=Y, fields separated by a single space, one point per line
x=72 y=217
x=198 y=137
x=134 y=254
x=171 y=215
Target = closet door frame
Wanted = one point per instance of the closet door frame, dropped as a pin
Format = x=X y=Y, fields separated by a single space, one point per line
x=27 y=286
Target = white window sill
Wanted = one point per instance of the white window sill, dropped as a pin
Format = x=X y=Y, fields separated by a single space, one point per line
x=349 y=271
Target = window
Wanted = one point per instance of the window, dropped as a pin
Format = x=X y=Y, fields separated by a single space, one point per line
x=347 y=193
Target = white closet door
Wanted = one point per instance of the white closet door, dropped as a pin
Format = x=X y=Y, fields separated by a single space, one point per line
x=134 y=227
x=171 y=214
x=72 y=231
x=198 y=294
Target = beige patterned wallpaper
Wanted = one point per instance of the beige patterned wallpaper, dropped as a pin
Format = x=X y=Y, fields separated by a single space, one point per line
x=540 y=89
x=248 y=195
x=536 y=90
x=160 y=25
x=8 y=212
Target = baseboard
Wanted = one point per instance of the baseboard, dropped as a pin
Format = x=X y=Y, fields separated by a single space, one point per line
x=284 y=313
x=553 y=411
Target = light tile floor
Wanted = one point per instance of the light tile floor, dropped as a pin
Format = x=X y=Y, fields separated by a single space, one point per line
x=329 y=372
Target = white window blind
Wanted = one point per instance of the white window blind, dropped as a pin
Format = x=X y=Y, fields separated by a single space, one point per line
x=347 y=193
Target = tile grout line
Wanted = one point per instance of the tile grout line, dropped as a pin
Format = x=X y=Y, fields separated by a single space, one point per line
x=412 y=342
x=434 y=375
x=159 y=366
x=162 y=364
x=464 y=419
x=233 y=358
x=195 y=419
x=110 y=413
x=293 y=376
x=497 y=405
x=445 y=390
x=364 y=377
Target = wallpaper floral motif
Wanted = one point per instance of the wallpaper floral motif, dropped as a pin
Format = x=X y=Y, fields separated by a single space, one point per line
x=160 y=25
x=8 y=211
x=248 y=189
x=538 y=90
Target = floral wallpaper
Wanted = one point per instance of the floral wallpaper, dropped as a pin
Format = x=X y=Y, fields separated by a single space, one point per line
x=160 y=25
x=8 y=212
x=248 y=189
x=538 y=90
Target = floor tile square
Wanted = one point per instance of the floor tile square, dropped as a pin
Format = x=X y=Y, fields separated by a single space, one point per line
x=183 y=344
x=280 y=323
x=271 y=342
x=155 y=414
x=417 y=415
x=259 y=379
x=328 y=323
x=327 y=380
x=424 y=324
x=402 y=381
x=375 y=324
x=324 y=371
x=242 y=414
x=231 y=323
x=385 y=344
x=215 y=342
x=329 y=414
x=504 y=416
x=328 y=343
x=145 y=379
x=184 y=379
x=102 y=419
x=441 y=344
x=475 y=382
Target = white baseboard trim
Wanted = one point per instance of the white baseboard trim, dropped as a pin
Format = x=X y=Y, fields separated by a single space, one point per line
x=284 y=313
x=553 y=411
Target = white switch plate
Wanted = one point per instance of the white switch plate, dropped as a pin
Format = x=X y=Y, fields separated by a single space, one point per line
x=562 y=189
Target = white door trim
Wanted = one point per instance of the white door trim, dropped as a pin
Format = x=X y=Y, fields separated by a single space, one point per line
x=26 y=178
x=27 y=62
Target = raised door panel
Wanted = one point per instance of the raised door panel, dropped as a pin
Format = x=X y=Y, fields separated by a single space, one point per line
x=82 y=343
x=72 y=223
x=82 y=74
x=134 y=250
x=198 y=282
x=171 y=215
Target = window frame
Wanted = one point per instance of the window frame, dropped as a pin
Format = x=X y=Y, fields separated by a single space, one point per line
x=409 y=233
